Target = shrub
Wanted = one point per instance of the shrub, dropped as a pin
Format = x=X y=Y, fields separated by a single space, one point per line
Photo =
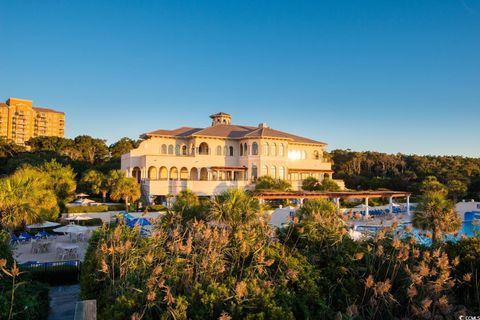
x=91 y=222
x=156 y=207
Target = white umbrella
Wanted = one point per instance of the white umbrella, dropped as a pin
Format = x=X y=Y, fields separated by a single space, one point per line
x=46 y=224
x=78 y=218
x=71 y=228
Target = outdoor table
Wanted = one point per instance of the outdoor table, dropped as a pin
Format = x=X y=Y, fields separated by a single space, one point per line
x=67 y=250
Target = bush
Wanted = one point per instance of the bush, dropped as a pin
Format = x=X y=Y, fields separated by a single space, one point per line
x=91 y=222
x=156 y=207
x=87 y=209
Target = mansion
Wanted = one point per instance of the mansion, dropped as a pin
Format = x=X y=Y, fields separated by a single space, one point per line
x=224 y=155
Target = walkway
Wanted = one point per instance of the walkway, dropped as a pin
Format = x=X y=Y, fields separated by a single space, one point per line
x=62 y=302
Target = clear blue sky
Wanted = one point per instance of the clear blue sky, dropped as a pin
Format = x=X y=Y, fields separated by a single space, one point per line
x=392 y=76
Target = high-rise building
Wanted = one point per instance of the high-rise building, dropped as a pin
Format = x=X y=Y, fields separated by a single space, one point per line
x=20 y=121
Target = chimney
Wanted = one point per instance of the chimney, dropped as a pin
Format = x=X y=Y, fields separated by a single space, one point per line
x=263 y=125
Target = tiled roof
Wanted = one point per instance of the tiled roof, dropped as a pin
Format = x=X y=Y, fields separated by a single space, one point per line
x=232 y=132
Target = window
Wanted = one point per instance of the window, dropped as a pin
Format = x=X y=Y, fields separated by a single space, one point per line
x=203 y=148
x=265 y=149
x=281 y=172
x=273 y=171
x=184 y=150
x=304 y=155
x=255 y=149
x=254 y=172
x=219 y=150
x=316 y=155
x=264 y=170
x=230 y=153
x=177 y=149
x=164 y=149
x=170 y=149
x=241 y=150
x=281 y=151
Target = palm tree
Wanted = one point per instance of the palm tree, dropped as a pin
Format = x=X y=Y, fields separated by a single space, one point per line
x=321 y=211
x=97 y=183
x=26 y=197
x=235 y=207
x=127 y=189
x=437 y=214
x=62 y=180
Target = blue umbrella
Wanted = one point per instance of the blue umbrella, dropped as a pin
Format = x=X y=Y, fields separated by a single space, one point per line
x=141 y=222
x=127 y=215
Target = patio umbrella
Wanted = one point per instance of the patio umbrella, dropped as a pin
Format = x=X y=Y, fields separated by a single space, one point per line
x=78 y=218
x=141 y=222
x=43 y=225
x=81 y=195
x=126 y=215
x=71 y=228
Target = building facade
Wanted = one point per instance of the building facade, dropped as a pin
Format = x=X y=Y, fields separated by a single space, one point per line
x=213 y=159
x=20 y=121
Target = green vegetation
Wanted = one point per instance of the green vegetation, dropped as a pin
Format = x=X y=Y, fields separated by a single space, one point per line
x=20 y=296
x=374 y=170
x=222 y=261
x=312 y=184
x=267 y=183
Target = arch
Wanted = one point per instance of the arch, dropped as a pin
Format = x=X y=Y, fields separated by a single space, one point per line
x=254 y=172
x=170 y=149
x=326 y=176
x=184 y=150
x=264 y=170
x=274 y=149
x=219 y=150
x=273 y=171
x=281 y=173
x=177 y=149
x=316 y=155
x=163 y=173
x=203 y=148
x=304 y=155
x=245 y=150
x=204 y=174
x=254 y=149
x=137 y=174
x=265 y=148
x=281 y=150
x=230 y=151
x=241 y=149
x=225 y=148
x=163 y=149
x=173 y=173
x=194 y=174
x=152 y=173
x=184 y=174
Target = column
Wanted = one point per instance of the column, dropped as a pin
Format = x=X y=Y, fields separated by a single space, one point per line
x=408 y=205
x=367 y=213
x=337 y=201
x=390 y=203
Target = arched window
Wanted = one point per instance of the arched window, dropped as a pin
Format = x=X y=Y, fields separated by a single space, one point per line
x=230 y=151
x=225 y=150
x=273 y=171
x=274 y=149
x=265 y=151
x=184 y=174
x=170 y=149
x=137 y=174
x=264 y=170
x=255 y=149
x=164 y=149
x=316 y=155
x=254 y=172
x=152 y=173
x=281 y=151
x=184 y=150
x=173 y=173
x=177 y=150
x=219 y=150
x=194 y=174
x=281 y=173
x=241 y=150
x=304 y=155
x=245 y=149
x=163 y=174
x=204 y=174
x=203 y=148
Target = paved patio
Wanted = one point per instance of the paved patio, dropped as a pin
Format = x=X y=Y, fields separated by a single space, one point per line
x=22 y=252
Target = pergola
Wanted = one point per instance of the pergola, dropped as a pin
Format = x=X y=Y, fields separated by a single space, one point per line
x=336 y=196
